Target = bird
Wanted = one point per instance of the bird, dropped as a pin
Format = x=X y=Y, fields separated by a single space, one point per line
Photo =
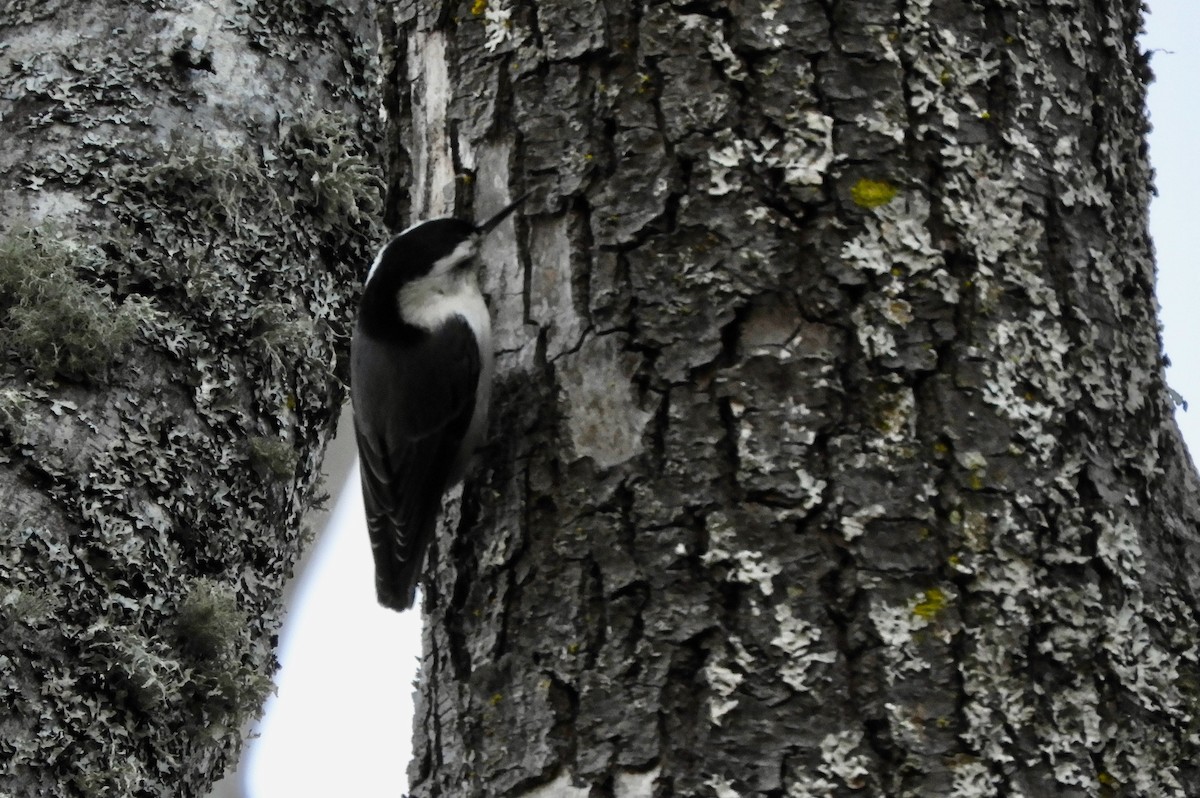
x=420 y=380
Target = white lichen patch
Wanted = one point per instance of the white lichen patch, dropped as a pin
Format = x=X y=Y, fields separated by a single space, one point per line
x=972 y=779
x=806 y=157
x=896 y=249
x=721 y=787
x=1145 y=669
x=497 y=21
x=745 y=566
x=722 y=681
x=841 y=761
x=717 y=46
x=898 y=626
x=774 y=444
x=882 y=124
x=951 y=71
x=811 y=785
x=724 y=673
x=971 y=460
x=840 y=766
x=1119 y=547
x=898 y=311
x=854 y=525
x=876 y=340
x=723 y=161
x=804 y=154
x=762 y=455
x=986 y=201
x=810 y=489
x=1029 y=382
x=799 y=640
x=628 y=784
x=896 y=236
x=1078 y=626
x=1157 y=680
x=604 y=417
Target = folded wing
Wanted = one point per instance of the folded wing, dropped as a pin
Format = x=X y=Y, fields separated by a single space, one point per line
x=410 y=439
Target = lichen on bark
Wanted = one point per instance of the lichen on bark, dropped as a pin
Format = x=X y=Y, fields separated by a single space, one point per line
x=183 y=239
x=909 y=514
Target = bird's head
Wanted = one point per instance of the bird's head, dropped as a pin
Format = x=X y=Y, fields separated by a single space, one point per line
x=437 y=248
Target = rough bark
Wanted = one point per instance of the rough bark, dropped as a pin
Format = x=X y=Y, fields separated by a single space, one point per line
x=188 y=195
x=832 y=453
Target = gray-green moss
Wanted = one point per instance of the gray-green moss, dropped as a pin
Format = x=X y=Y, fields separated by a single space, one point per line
x=52 y=320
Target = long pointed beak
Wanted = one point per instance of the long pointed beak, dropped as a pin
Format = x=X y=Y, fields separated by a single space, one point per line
x=484 y=228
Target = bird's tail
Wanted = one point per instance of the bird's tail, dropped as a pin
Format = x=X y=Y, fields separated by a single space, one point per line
x=400 y=556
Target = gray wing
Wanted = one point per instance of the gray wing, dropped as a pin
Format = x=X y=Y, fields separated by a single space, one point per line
x=413 y=403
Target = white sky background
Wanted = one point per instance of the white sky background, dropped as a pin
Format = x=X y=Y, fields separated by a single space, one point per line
x=1172 y=28
x=341 y=721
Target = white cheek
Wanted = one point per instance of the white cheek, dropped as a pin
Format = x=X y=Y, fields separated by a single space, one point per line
x=433 y=300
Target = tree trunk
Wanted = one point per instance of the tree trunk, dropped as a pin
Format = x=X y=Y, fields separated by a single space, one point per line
x=187 y=206
x=831 y=452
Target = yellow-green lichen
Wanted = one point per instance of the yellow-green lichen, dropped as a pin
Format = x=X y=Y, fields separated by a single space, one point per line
x=868 y=193
x=933 y=602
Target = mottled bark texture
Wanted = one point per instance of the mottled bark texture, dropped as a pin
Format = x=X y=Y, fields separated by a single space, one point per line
x=186 y=206
x=831 y=453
